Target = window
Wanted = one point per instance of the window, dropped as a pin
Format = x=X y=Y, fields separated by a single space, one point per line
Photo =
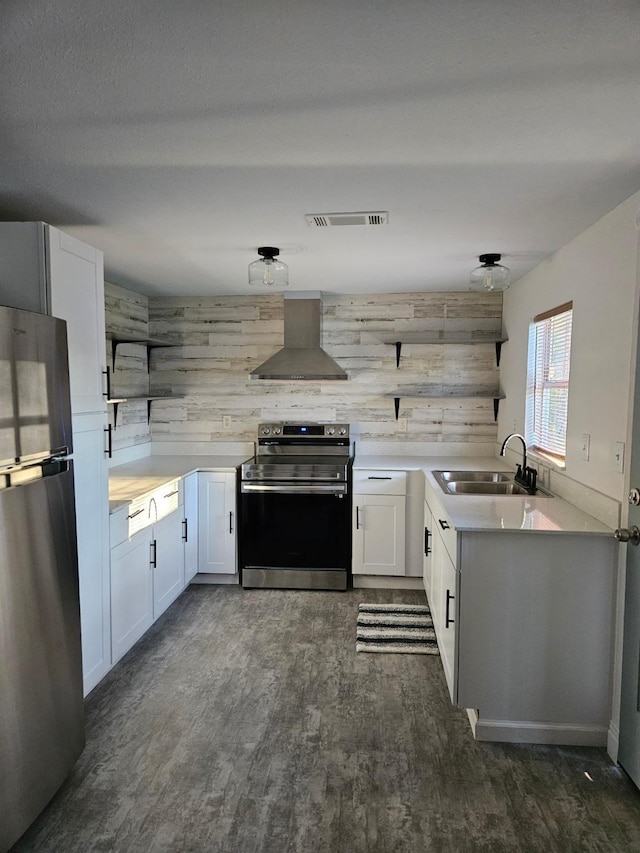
x=548 y=381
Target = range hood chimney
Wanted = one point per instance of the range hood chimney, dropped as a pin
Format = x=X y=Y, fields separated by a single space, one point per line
x=301 y=357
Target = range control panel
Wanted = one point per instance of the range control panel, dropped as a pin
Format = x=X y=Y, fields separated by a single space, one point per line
x=288 y=429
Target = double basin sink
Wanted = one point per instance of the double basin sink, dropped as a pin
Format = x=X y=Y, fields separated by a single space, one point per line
x=498 y=483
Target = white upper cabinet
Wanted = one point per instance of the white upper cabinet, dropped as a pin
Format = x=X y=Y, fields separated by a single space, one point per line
x=45 y=270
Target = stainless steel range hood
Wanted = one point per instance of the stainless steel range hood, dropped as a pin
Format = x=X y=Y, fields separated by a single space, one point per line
x=301 y=357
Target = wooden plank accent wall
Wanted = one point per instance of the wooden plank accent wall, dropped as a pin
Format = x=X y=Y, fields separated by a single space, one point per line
x=127 y=315
x=221 y=339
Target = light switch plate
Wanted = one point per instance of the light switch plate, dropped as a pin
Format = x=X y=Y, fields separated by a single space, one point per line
x=618 y=456
x=584 y=450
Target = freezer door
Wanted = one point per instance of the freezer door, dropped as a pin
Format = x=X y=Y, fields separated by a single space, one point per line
x=35 y=409
x=41 y=705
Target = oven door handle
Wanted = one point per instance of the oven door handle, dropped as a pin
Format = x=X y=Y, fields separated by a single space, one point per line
x=295 y=489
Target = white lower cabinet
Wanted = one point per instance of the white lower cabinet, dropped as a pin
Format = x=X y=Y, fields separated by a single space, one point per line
x=427 y=560
x=379 y=522
x=147 y=575
x=524 y=627
x=190 y=526
x=217 y=523
x=131 y=592
x=167 y=561
x=442 y=601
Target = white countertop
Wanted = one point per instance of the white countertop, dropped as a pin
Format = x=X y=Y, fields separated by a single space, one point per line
x=134 y=479
x=538 y=514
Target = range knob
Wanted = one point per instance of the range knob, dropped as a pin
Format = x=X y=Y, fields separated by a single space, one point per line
x=342 y=431
x=265 y=430
x=331 y=431
x=277 y=430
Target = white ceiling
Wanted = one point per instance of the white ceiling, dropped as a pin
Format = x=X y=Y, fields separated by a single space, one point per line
x=180 y=136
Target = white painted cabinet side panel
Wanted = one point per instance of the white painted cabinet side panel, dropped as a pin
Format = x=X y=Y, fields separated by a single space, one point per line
x=92 y=522
x=536 y=627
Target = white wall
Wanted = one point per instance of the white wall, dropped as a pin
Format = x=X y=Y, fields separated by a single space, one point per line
x=597 y=271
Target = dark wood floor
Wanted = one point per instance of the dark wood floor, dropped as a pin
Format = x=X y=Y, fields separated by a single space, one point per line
x=245 y=721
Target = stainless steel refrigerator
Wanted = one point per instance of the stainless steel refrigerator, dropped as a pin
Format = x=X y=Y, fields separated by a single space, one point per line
x=41 y=705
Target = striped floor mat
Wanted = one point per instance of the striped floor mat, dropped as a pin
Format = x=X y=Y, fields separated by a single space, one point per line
x=399 y=628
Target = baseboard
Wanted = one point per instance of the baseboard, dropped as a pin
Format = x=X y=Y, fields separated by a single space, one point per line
x=522 y=731
x=386 y=582
x=203 y=578
x=613 y=741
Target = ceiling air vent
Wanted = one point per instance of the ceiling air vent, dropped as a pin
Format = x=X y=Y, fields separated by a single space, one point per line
x=327 y=220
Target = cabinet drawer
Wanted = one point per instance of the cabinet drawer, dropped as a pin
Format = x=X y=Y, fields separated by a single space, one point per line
x=369 y=482
x=447 y=532
x=155 y=505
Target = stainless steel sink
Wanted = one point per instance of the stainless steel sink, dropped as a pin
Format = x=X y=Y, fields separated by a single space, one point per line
x=460 y=488
x=498 y=483
x=474 y=476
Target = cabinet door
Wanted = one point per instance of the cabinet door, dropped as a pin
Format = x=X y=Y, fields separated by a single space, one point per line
x=443 y=601
x=131 y=592
x=76 y=294
x=217 y=523
x=92 y=522
x=427 y=550
x=378 y=535
x=190 y=523
x=168 y=561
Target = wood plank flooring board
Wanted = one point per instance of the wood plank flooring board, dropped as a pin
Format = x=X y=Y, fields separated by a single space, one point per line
x=245 y=722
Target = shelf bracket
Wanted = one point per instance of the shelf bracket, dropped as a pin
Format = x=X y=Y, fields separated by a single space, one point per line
x=396 y=404
x=398 y=351
x=496 y=406
x=115 y=416
x=114 y=347
x=498 y=352
x=149 y=411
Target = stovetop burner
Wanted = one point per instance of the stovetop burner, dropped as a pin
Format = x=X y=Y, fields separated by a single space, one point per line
x=300 y=451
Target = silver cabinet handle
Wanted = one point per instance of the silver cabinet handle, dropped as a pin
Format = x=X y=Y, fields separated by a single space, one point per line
x=171 y=494
x=137 y=512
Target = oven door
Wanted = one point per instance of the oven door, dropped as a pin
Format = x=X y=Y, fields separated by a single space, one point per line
x=295 y=535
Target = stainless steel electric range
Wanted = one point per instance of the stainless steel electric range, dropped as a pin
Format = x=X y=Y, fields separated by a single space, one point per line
x=295 y=508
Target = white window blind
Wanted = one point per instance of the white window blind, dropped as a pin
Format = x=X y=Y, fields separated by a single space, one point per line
x=548 y=381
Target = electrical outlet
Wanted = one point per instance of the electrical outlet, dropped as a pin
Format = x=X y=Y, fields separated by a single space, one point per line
x=402 y=424
x=584 y=450
x=226 y=422
x=618 y=456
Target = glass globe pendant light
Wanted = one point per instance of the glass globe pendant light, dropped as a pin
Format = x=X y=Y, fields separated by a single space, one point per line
x=490 y=275
x=267 y=270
